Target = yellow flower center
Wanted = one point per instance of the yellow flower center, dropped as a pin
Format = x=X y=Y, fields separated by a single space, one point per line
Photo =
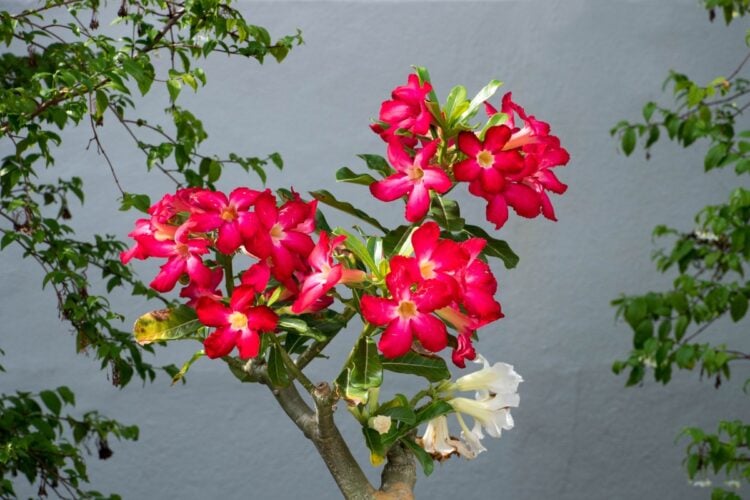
x=407 y=309
x=277 y=232
x=229 y=214
x=485 y=159
x=237 y=320
x=182 y=249
x=427 y=269
x=415 y=173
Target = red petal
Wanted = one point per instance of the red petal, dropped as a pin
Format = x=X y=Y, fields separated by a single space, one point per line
x=496 y=137
x=398 y=157
x=265 y=208
x=257 y=276
x=550 y=181
x=298 y=243
x=432 y=294
x=248 y=342
x=524 y=200
x=436 y=180
x=229 y=238
x=424 y=155
x=212 y=313
x=242 y=298
x=430 y=331
x=396 y=339
x=418 y=203
x=391 y=188
x=169 y=274
x=547 y=210
x=210 y=200
x=220 y=343
x=491 y=180
x=404 y=273
x=376 y=310
x=243 y=198
x=467 y=170
x=497 y=211
x=262 y=318
x=469 y=144
x=206 y=221
x=424 y=240
x=197 y=271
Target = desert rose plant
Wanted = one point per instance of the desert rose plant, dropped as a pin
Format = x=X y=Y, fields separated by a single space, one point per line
x=265 y=283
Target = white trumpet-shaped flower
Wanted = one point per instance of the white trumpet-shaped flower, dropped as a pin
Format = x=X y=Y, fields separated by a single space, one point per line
x=438 y=442
x=499 y=378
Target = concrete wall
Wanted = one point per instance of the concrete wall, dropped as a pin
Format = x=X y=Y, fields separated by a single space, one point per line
x=582 y=66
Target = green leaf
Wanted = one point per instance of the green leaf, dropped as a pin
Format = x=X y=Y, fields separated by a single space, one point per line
x=174 y=87
x=495 y=248
x=67 y=395
x=738 y=307
x=378 y=164
x=299 y=326
x=715 y=156
x=327 y=198
x=433 y=368
x=166 y=324
x=375 y=445
x=51 y=401
x=367 y=370
x=424 y=458
x=180 y=375
x=401 y=413
x=454 y=104
x=483 y=95
x=358 y=248
x=344 y=174
x=277 y=370
x=628 y=141
x=446 y=213
x=433 y=410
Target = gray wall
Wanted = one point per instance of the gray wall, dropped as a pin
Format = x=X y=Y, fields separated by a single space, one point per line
x=582 y=66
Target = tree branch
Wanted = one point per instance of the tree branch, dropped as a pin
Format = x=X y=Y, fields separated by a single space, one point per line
x=399 y=475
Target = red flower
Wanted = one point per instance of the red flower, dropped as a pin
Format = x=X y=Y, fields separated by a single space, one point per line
x=237 y=325
x=407 y=314
x=325 y=274
x=488 y=161
x=407 y=111
x=437 y=259
x=282 y=235
x=477 y=284
x=194 y=291
x=464 y=350
x=230 y=216
x=415 y=178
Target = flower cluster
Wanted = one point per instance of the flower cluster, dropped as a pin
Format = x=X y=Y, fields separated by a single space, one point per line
x=506 y=164
x=496 y=392
x=443 y=280
x=186 y=226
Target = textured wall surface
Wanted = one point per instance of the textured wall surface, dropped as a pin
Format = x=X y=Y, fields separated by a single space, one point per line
x=580 y=65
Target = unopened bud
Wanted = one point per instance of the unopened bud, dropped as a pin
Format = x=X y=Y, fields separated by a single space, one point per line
x=380 y=423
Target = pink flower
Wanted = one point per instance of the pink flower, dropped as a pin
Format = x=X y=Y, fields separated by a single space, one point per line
x=229 y=215
x=407 y=314
x=477 y=284
x=415 y=178
x=488 y=161
x=437 y=259
x=237 y=325
x=282 y=235
x=325 y=274
x=194 y=291
x=464 y=350
x=183 y=255
x=407 y=111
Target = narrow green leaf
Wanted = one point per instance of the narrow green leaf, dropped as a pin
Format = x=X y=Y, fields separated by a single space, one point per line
x=433 y=368
x=180 y=375
x=166 y=324
x=375 y=445
x=299 y=326
x=344 y=174
x=327 y=198
x=483 y=95
x=738 y=306
x=358 y=248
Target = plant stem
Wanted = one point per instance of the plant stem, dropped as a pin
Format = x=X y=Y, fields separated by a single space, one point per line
x=292 y=367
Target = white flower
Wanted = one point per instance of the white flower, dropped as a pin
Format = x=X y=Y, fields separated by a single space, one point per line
x=499 y=378
x=492 y=413
x=733 y=483
x=702 y=483
x=438 y=442
x=380 y=423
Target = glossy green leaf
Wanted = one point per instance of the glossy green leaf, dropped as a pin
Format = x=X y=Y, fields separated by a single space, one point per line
x=299 y=326
x=446 y=213
x=375 y=445
x=424 y=458
x=355 y=245
x=433 y=368
x=367 y=369
x=277 y=371
x=344 y=174
x=327 y=198
x=483 y=95
x=378 y=164
x=166 y=324
x=51 y=401
x=495 y=248
x=433 y=410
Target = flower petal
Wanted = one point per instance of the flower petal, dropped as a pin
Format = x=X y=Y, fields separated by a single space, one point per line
x=248 y=342
x=418 y=203
x=262 y=318
x=212 y=313
x=430 y=331
x=377 y=311
x=220 y=343
x=396 y=339
x=392 y=187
